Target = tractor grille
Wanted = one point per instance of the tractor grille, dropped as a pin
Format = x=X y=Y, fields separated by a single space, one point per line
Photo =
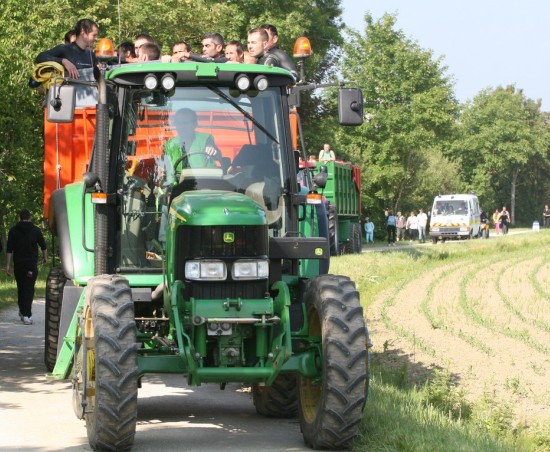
x=207 y=242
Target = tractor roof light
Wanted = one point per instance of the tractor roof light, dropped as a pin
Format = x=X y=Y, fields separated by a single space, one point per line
x=314 y=198
x=261 y=83
x=168 y=82
x=242 y=82
x=104 y=50
x=150 y=81
x=302 y=48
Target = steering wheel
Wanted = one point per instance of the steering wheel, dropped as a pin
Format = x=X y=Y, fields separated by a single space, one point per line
x=185 y=158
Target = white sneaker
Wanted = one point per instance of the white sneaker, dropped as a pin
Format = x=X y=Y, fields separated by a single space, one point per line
x=27 y=320
x=20 y=316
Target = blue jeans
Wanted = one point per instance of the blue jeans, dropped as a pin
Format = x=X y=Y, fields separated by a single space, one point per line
x=421 y=233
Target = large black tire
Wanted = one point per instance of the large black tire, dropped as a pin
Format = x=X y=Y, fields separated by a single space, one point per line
x=331 y=411
x=355 y=236
x=333 y=230
x=54 y=299
x=112 y=373
x=278 y=400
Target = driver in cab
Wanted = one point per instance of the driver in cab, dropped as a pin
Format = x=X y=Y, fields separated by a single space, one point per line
x=189 y=148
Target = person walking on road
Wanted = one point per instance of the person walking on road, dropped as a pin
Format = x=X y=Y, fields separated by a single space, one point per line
x=369 y=230
x=23 y=242
x=412 y=226
x=390 y=225
x=546 y=216
x=496 y=221
x=504 y=220
x=422 y=219
x=401 y=226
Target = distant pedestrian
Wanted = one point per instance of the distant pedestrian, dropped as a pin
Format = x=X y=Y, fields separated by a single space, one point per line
x=401 y=226
x=369 y=230
x=546 y=216
x=422 y=223
x=391 y=220
x=23 y=242
x=412 y=226
x=504 y=220
x=496 y=221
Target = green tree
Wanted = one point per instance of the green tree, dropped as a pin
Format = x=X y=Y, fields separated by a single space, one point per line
x=503 y=145
x=410 y=114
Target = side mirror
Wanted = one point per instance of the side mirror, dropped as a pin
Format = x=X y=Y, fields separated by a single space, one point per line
x=350 y=107
x=60 y=103
x=320 y=179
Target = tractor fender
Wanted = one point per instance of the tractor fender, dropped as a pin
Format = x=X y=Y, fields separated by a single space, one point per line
x=58 y=222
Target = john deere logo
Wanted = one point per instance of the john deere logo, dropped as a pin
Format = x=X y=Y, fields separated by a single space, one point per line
x=228 y=237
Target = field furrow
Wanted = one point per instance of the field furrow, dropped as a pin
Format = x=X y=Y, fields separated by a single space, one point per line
x=484 y=320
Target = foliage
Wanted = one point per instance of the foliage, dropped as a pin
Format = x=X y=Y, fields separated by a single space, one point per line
x=503 y=142
x=410 y=111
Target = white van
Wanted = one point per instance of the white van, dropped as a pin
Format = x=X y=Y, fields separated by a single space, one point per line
x=455 y=217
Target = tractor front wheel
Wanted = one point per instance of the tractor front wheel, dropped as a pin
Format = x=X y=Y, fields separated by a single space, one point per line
x=111 y=372
x=278 y=400
x=331 y=408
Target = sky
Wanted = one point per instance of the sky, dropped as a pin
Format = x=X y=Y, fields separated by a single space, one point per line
x=484 y=43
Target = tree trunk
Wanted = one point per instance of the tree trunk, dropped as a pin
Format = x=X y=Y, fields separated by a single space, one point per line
x=513 y=196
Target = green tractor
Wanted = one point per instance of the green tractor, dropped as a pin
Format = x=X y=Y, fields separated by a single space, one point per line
x=213 y=266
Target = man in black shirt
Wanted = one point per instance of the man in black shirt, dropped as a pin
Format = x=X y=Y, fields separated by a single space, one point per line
x=212 y=50
x=272 y=48
x=23 y=242
x=78 y=54
x=258 y=39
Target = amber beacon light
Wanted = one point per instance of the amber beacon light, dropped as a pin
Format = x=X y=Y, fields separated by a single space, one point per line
x=105 y=49
x=302 y=48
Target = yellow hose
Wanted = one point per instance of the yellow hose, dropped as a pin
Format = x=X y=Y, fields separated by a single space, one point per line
x=48 y=73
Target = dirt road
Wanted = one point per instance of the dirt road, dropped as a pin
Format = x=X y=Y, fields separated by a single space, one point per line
x=36 y=414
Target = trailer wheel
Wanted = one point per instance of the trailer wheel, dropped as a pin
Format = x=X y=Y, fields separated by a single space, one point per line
x=54 y=299
x=333 y=230
x=331 y=408
x=356 y=238
x=111 y=364
x=278 y=400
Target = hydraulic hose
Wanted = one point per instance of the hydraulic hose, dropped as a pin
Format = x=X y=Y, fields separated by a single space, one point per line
x=48 y=74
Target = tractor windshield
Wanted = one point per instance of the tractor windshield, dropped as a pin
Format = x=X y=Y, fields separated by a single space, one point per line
x=196 y=138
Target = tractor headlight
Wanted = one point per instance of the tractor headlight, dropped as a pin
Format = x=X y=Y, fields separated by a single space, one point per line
x=207 y=270
x=250 y=269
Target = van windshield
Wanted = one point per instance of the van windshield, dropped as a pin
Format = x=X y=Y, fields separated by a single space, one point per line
x=450 y=207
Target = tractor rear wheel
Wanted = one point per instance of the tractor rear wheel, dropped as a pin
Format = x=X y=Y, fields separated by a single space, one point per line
x=333 y=230
x=54 y=299
x=111 y=371
x=331 y=409
x=278 y=400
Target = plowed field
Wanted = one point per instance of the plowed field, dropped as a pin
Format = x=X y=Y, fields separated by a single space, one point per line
x=483 y=315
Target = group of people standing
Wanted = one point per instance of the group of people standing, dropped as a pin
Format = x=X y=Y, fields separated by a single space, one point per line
x=400 y=228
x=501 y=221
